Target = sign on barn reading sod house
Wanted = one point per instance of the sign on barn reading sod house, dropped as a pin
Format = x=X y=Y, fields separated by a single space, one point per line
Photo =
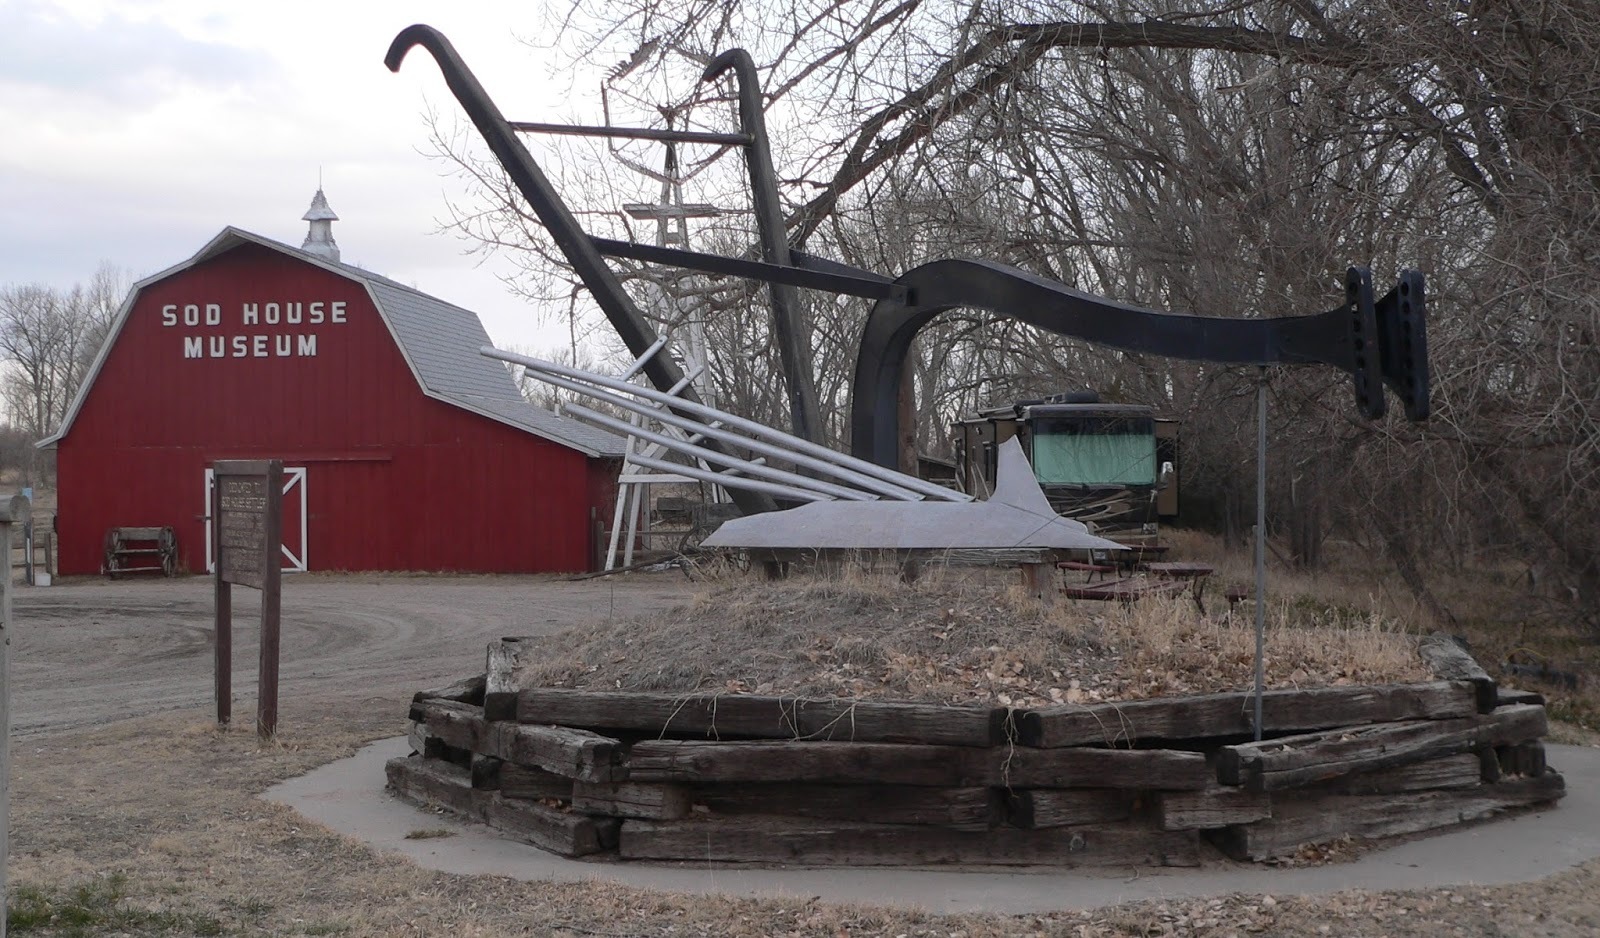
x=403 y=448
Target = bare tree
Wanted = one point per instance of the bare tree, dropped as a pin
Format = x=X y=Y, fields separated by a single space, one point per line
x=49 y=339
x=37 y=338
x=1223 y=159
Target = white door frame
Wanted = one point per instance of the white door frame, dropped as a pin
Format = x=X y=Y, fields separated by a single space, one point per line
x=292 y=476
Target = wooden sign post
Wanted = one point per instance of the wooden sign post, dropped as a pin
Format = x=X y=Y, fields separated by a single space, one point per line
x=247 y=527
x=16 y=513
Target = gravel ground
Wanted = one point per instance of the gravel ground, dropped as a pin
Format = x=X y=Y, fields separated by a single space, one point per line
x=92 y=650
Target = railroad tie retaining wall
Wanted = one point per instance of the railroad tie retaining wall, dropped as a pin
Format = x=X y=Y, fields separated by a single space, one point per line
x=746 y=778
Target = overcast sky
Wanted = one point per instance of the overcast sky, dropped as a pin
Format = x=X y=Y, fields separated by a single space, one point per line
x=133 y=131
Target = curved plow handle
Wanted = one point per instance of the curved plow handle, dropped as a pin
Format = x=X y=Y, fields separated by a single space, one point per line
x=1373 y=341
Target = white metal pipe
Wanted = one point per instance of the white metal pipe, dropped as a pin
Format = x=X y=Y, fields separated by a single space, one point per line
x=712 y=456
x=683 y=382
x=616 y=528
x=634 y=492
x=644 y=359
x=733 y=482
x=655 y=478
x=616 y=512
x=716 y=431
x=666 y=417
x=693 y=375
x=623 y=494
x=636 y=415
x=749 y=426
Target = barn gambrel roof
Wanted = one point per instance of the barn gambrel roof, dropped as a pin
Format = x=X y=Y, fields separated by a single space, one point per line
x=438 y=340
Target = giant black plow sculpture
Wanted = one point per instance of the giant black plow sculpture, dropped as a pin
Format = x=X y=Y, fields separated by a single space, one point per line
x=1377 y=341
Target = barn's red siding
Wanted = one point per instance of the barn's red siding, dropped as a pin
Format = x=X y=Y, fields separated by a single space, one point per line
x=395 y=480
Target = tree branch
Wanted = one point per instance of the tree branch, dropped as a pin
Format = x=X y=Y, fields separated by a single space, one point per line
x=1036 y=40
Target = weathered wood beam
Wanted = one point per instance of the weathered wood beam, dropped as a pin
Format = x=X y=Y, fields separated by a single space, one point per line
x=468 y=690
x=787 y=840
x=1449 y=661
x=1521 y=759
x=1039 y=808
x=748 y=716
x=504 y=661
x=897 y=764
x=458 y=725
x=563 y=832
x=1461 y=771
x=1320 y=819
x=1137 y=769
x=520 y=781
x=433 y=783
x=1210 y=716
x=1296 y=761
x=1213 y=807
x=827 y=762
x=575 y=754
x=632 y=799
x=486 y=772
x=1509 y=695
x=956 y=808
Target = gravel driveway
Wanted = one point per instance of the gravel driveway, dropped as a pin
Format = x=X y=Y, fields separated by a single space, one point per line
x=92 y=651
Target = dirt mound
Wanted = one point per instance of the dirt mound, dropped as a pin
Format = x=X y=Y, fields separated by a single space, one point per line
x=963 y=636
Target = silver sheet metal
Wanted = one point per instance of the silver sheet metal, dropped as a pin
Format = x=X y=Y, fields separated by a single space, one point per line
x=1018 y=515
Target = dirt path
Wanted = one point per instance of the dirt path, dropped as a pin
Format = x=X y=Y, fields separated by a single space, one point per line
x=95 y=651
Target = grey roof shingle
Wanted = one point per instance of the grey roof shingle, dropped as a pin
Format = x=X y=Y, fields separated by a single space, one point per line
x=442 y=341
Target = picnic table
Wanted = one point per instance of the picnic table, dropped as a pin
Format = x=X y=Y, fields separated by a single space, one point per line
x=1190 y=575
x=1126 y=589
x=1136 y=556
x=1151 y=579
x=1089 y=567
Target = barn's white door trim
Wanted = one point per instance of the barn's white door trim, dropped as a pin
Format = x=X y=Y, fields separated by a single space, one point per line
x=294 y=480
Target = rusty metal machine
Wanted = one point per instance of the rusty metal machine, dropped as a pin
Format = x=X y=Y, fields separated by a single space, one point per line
x=1111 y=466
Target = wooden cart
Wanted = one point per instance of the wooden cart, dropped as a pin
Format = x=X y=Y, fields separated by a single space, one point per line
x=141 y=550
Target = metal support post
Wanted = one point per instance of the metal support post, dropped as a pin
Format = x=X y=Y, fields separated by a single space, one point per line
x=1261 y=544
x=794 y=342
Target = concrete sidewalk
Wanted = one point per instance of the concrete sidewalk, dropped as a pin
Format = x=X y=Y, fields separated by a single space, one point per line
x=348 y=796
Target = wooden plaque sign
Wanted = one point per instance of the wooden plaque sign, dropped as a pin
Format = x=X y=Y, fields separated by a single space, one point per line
x=249 y=520
x=247 y=525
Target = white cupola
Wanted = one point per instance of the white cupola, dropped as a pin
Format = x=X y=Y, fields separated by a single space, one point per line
x=319 y=239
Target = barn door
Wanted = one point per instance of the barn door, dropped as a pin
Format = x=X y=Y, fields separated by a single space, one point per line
x=294 y=521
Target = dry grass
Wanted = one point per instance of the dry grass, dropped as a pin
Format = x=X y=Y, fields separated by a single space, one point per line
x=1350 y=582
x=1496 y=607
x=1172 y=649
x=966 y=635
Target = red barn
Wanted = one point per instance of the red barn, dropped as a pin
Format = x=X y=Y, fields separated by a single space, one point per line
x=403 y=448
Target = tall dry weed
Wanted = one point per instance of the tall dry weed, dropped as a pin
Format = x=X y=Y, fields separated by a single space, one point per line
x=964 y=634
x=1170 y=648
